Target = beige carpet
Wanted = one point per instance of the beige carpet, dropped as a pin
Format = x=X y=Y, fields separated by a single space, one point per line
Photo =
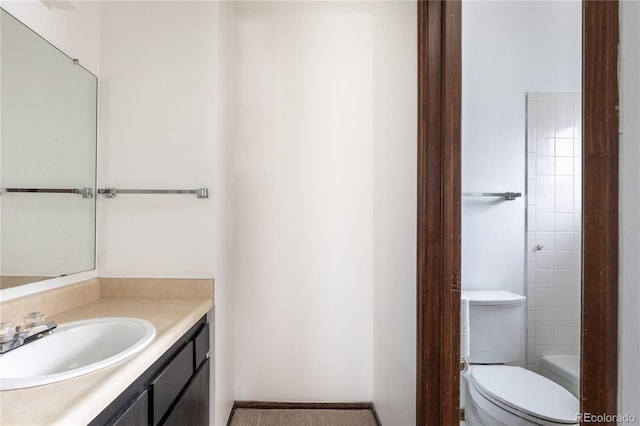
x=301 y=417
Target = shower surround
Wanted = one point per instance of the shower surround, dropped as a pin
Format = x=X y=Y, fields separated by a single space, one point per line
x=554 y=204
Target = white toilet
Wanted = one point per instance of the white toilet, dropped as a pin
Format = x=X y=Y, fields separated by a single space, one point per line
x=498 y=394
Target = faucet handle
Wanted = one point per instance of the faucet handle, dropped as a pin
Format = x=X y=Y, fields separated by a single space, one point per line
x=33 y=318
x=7 y=331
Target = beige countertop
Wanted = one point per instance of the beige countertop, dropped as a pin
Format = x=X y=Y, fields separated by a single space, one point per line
x=78 y=401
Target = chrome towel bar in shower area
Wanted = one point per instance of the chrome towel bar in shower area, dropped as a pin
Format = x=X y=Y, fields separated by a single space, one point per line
x=111 y=192
x=509 y=196
x=84 y=192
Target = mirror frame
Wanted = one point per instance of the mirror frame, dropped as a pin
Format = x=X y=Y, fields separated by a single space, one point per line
x=439 y=211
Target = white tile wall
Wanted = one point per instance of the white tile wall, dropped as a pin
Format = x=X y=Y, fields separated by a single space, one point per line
x=554 y=220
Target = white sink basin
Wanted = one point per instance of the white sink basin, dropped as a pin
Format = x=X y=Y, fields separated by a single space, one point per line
x=74 y=348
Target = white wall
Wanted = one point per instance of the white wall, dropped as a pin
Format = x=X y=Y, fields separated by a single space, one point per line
x=629 y=370
x=507 y=51
x=225 y=210
x=304 y=198
x=394 y=219
x=157 y=130
x=325 y=204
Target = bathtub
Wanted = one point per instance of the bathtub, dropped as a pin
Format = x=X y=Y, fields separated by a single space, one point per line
x=562 y=369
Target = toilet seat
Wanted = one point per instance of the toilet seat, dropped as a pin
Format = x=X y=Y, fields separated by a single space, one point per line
x=525 y=394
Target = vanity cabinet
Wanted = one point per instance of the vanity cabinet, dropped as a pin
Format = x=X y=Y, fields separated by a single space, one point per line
x=173 y=391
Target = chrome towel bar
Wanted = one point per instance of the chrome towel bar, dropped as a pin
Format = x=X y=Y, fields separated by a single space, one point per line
x=84 y=192
x=509 y=196
x=111 y=192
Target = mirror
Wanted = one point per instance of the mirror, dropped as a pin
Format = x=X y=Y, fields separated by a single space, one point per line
x=47 y=159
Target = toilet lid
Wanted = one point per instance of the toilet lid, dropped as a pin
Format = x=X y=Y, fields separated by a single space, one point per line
x=515 y=388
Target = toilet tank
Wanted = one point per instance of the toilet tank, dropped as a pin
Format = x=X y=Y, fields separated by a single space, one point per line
x=496 y=326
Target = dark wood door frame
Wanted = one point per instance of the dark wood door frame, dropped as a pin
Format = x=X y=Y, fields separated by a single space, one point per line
x=438 y=227
x=438 y=216
x=599 y=344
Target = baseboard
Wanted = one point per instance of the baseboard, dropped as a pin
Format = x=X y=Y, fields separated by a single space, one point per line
x=305 y=406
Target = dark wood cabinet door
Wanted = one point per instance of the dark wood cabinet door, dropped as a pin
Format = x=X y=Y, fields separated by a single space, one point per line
x=193 y=407
x=170 y=382
x=137 y=414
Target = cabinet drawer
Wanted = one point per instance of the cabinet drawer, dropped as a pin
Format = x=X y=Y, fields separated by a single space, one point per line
x=170 y=382
x=201 y=343
x=193 y=407
x=137 y=414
